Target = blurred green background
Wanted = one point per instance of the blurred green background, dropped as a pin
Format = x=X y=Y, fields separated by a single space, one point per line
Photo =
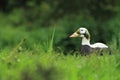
x=34 y=36
x=35 y=20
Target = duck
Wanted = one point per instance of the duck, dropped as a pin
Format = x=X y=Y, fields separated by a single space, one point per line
x=86 y=47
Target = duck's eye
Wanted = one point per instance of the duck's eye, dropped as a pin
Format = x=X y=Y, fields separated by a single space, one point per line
x=81 y=30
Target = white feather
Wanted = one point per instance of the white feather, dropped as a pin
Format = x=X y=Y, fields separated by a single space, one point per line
x=99 y=45
x=86 y=41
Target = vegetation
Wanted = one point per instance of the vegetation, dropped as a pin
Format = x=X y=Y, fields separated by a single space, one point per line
x=26 y=57
x=35 y=43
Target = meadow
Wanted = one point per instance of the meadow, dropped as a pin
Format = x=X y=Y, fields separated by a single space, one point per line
x=28 y=56
x=35 y=43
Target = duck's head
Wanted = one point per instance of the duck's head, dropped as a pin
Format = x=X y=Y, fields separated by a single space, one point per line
x=81 y=32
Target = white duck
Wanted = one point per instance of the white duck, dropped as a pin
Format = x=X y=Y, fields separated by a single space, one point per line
x=86 y=47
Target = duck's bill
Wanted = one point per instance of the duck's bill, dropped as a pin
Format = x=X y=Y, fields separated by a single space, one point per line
x=74 y=35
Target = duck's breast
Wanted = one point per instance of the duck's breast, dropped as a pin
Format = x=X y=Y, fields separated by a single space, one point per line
x=85 y=49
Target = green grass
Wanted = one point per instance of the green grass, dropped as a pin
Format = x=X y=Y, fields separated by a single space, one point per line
x=37 y=60
x=36 y=65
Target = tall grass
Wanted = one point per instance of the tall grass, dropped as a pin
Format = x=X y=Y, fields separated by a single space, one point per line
x=47 y=45
x=41 y=62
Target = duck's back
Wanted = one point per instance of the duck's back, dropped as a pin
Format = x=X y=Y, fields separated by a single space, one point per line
x=98 y=45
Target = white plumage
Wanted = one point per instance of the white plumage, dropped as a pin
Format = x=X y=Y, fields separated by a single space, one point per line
x=84 y=34
x=99 y=45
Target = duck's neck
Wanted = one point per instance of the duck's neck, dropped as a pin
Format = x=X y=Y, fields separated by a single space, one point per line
x=85 y=41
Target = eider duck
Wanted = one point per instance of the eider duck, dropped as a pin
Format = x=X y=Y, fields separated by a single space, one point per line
x=86 y=47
